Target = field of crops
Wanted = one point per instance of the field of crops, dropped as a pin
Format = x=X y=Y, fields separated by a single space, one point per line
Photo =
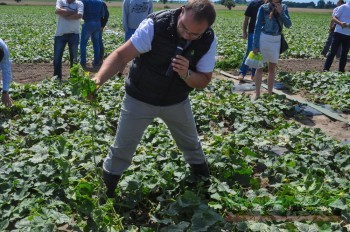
x=52 y=143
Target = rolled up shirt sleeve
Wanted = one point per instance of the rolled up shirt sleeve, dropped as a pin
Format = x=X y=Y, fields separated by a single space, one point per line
x=206 y=64
x=143 y=36
x=5 y=66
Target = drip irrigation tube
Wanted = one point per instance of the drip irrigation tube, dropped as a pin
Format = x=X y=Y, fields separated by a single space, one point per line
x=316 y=107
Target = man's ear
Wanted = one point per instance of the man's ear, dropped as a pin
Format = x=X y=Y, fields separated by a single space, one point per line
x=182 y=10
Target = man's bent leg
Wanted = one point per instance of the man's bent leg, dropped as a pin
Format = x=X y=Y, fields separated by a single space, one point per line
x=183 y=129
x=135 y=116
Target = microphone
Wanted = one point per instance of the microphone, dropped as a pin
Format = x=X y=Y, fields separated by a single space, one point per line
x=180 y=47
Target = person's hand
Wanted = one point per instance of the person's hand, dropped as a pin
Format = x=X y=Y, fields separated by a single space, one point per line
x=244 y=36
x=96 y=80
x=180 y=65
x=6 y=99
x=278 y=7
x=343 y=25
x=256 y=50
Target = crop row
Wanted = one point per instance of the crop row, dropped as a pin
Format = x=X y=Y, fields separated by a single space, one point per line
x=52 y=147
x=29 y=32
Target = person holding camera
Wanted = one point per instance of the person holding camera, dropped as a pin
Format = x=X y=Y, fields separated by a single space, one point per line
x=5 y=66
x=272 y=16
x=173 y=52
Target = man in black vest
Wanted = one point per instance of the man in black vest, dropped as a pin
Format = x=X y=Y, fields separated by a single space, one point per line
x=160 y=81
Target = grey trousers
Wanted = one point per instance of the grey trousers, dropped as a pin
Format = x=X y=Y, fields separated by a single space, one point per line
x=134 y=118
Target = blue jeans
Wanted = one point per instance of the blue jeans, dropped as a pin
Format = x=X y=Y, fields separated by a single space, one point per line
x=337 y=41
x=102 y=48
x=128 y=34
x=244 y=68
x=90 y=29
x=59 y=44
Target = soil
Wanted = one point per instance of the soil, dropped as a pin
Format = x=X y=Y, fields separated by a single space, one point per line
x=33 y=73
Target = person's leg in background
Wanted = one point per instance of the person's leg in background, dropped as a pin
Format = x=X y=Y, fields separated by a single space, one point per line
x=271 y=77
x=336 y=41
x=102 y=48
x=128 y=34
x=73 y=44
x=250 y=47
x=95 y=37
x=345 y=44
x=59 y=45
x=85 y=35
x=244 y=68
x=258 y=80
x=327 y=44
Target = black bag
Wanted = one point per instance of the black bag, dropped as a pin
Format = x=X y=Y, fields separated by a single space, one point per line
x=284 y=44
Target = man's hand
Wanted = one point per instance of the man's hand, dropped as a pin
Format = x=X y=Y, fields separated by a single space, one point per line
x=6 y=99
x=256 y=50
x=343 y=24
x=245 y=35
x=180 y=65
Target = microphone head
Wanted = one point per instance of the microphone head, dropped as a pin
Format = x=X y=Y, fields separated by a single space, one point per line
x=182 y=43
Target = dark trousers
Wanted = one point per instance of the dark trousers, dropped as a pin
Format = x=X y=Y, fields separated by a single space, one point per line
x=59 y=44
x=327 y=45
x=102 y=48
x=337 y=41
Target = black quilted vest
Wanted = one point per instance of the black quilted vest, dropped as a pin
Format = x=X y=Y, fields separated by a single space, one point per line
x=147 y=81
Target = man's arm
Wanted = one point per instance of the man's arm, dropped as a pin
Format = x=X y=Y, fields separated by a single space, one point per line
x=5 y=65
x=197 y=80
x=75 y=16
x=68 y=14
x=245 y=27
x=201 y=78
x=116 y=62
x=336 y=20
x=63 y=12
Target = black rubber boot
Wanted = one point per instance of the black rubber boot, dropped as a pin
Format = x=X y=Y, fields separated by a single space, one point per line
x=199 y=178
x=200 y=170
x=111 y=182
